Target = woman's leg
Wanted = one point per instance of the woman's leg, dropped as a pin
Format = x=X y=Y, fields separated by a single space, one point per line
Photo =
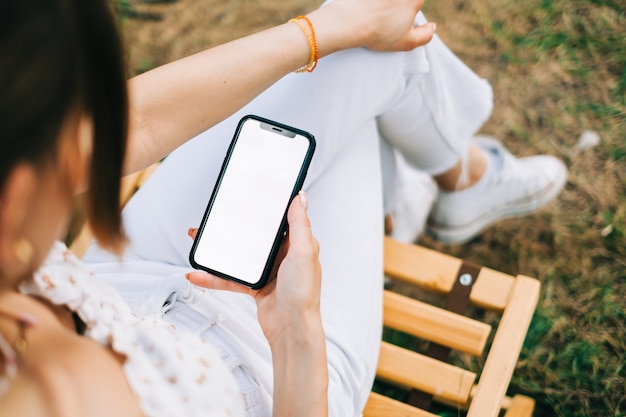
x=433 y=126
x=480 y=182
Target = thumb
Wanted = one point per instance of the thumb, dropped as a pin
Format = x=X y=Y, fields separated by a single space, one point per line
x=421 y=35
x=300 y=234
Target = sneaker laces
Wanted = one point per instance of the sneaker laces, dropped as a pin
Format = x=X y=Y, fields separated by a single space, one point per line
x=509 y=174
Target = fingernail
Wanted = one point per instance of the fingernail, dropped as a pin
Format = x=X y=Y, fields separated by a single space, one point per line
x=303 y=200
x=187 y=275
x=190 y=231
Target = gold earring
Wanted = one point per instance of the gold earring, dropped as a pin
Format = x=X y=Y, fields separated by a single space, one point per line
x=24 y=251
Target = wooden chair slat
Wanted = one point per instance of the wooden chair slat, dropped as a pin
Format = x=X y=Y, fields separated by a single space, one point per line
x=414 y=264
x=436 y=271
x=414 y=370
x=435 y=324
x=506 y=347
x=520 y=406
x=128 y=186
x=381 y=406
x=81 y=243
x=146 y=173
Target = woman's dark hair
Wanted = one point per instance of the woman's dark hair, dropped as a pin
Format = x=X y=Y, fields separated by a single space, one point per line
x=60 y=55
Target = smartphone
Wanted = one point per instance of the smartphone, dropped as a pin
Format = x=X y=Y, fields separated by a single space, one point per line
x=246 y=217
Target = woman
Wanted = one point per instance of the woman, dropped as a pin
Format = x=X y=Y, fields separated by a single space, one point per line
x=68 y=345
x=424 y=103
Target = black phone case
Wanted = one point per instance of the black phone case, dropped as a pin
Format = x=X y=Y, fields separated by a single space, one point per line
x=283 y=225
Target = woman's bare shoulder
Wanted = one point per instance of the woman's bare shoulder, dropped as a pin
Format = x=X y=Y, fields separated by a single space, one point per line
x=32 y=391
x=64 y=372
x=26 y=398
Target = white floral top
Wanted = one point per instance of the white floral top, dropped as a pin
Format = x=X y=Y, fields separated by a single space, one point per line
x=171 y=374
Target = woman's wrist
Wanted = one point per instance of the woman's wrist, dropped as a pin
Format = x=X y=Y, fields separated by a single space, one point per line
x=332 y=33
x=377 y=25
x=327 y=30
x=301 y=328
x=300 y=371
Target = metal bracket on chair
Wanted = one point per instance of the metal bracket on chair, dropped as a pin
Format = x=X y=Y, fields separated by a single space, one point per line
x=456 y=301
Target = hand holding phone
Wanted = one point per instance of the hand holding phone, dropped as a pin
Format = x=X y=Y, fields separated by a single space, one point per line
x=245 y=220
x=298 y=264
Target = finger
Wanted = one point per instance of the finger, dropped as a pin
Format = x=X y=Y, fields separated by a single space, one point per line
x=206 y=280
x=192 y=232
x=421 y=35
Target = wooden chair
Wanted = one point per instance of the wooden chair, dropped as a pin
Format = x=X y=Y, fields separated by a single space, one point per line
x=428 y=375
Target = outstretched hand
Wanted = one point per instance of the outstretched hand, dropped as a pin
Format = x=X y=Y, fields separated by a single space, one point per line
x=294 y=294
x=380 y=25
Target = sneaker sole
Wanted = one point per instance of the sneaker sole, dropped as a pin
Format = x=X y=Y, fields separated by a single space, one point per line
x=462 y=234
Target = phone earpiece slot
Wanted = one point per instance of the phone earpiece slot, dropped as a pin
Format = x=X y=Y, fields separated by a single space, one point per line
x=278 y=130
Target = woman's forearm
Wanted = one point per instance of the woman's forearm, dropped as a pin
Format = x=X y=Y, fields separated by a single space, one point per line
x=301 y=373
x=175 y=102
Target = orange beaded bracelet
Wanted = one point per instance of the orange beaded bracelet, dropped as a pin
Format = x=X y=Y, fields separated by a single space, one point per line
x=307 y=27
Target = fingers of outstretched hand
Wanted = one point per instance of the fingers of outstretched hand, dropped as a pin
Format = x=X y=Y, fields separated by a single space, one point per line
x=381 y=25
x=421 y=35
x=405 y=38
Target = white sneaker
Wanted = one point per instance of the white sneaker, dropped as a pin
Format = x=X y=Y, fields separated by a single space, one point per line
x=415 y=194
x=511 y=187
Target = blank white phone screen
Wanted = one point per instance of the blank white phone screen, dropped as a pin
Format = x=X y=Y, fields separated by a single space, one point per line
x=250 y=203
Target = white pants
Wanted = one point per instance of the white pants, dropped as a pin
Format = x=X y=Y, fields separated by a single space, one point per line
x=426 y=104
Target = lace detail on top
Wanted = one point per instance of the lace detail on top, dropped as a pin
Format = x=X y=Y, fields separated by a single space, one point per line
x=171 y=374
